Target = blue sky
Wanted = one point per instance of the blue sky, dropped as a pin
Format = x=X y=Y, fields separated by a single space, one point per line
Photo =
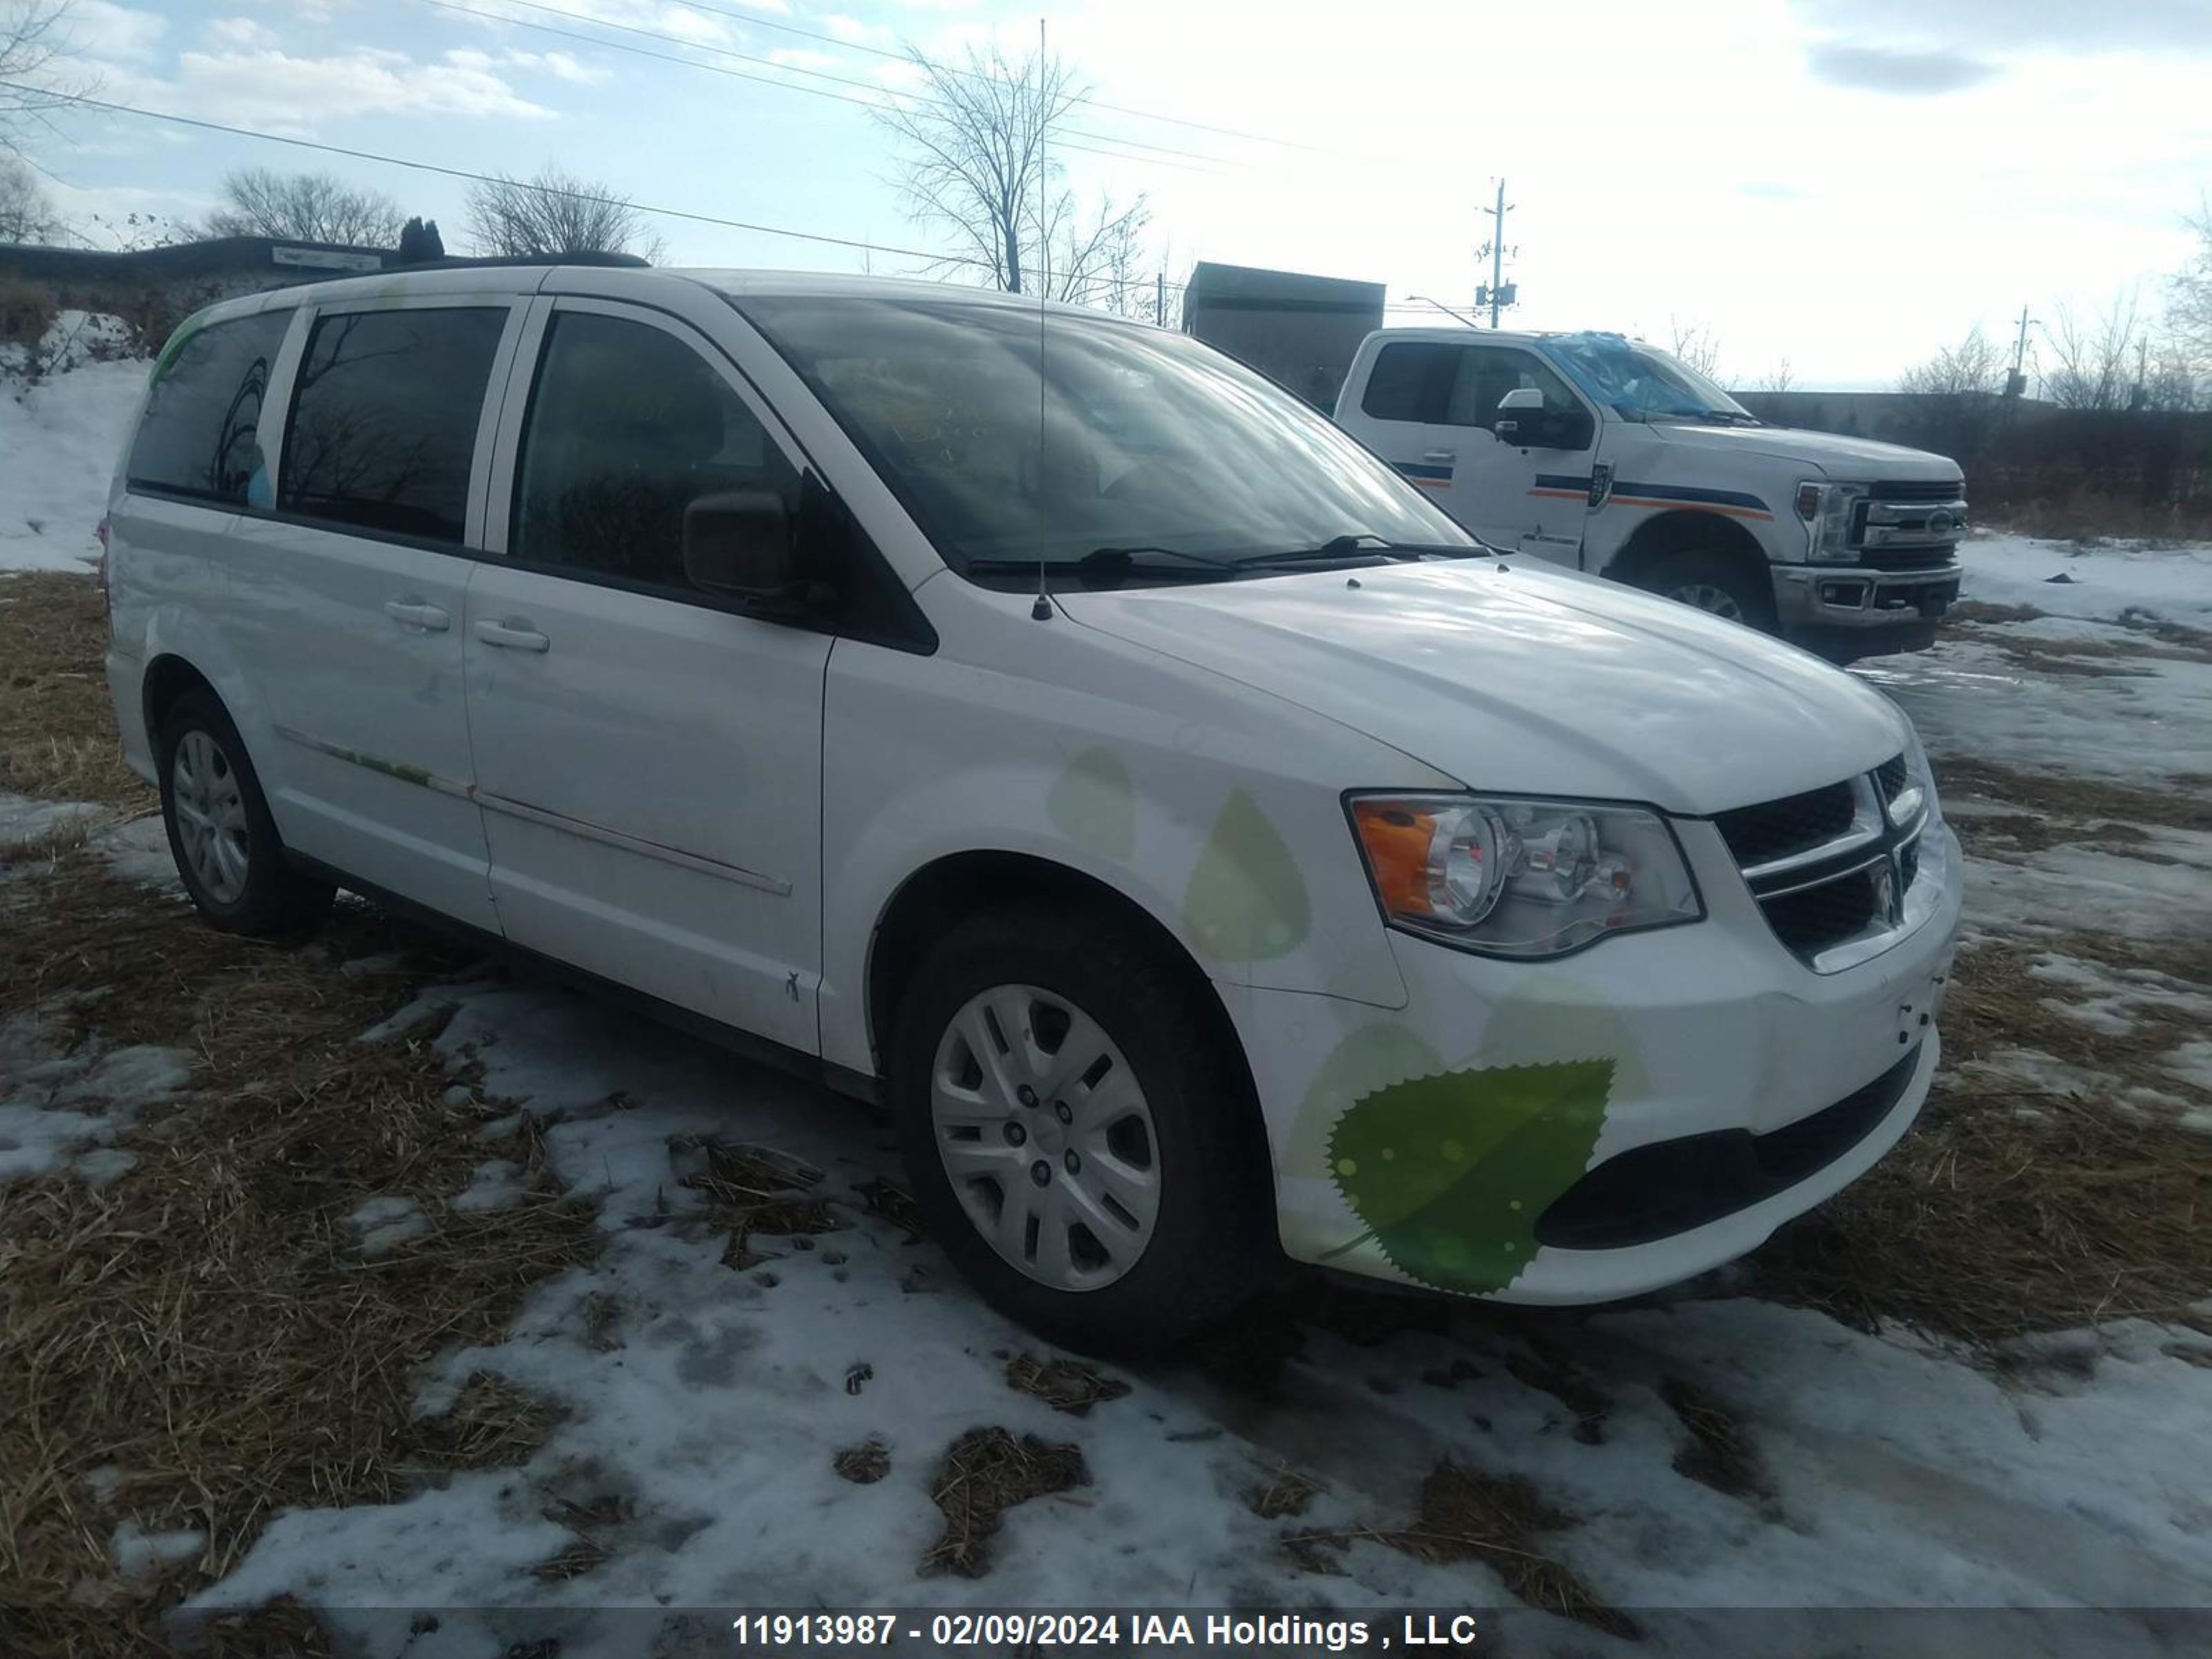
x=1842 y=185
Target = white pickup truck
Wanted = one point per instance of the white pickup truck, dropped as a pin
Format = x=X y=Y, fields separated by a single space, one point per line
x=1610 y=456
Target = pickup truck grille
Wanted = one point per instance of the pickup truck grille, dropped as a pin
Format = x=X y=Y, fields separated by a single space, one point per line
x=1833 y=868
x=1895 y=489
x=1907 y=558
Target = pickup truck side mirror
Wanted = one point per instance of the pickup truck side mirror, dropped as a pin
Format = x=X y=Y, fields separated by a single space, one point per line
x=1522 y=420
x=739 y=542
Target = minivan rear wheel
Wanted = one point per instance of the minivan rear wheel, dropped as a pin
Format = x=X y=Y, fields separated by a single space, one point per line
x=221 y=834
x=1077 y=1135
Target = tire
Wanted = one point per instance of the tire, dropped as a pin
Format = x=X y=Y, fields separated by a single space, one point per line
x=1716 y=582
x=221 y=835
x=1107 y=1272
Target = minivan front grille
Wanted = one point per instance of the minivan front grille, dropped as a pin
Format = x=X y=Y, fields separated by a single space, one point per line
x=1795 y=823
x=1833 y=868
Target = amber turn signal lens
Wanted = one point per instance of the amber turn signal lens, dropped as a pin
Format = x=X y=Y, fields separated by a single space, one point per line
x=1398 y=839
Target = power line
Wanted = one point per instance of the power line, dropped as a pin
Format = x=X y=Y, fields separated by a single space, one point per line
x=80 y=101
x=873 y=103
x=755 y=20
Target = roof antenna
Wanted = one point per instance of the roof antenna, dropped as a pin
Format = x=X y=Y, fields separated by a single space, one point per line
x=1041 y=610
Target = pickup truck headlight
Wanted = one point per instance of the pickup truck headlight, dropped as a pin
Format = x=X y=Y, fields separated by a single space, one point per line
x=1826 y=510
x=1508 y=877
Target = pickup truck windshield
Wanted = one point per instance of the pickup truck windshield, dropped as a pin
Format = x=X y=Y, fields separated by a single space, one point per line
x=1151 y=455
x=1638 y=382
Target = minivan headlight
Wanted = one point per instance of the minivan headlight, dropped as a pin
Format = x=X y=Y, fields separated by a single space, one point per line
x=1511 y=877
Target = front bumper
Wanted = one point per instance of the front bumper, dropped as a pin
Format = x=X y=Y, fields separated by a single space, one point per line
x=1865 y=610
x=1702 y=1050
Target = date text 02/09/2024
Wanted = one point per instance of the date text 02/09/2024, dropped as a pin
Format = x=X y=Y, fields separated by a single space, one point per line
x=1247 y=1633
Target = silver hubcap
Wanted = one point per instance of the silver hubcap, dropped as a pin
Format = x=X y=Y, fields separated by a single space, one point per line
x=1046 y=1137
x=210 y=816
x=1706 y=597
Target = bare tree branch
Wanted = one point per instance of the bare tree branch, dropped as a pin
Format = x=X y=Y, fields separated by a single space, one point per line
x=555 y=213
x=33 y=42
x=28 y=214
x=307 y=207
x=980 y=171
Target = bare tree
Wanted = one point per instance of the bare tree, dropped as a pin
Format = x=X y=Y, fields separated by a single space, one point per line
x=2188 y=297
x=32 y=43
x=554 y=213
x=1959 y=394
x=307 y=207
x=2094 y=360
x=1699 y=347
x=1780 y=378
x=979 y=169
x=27 y=212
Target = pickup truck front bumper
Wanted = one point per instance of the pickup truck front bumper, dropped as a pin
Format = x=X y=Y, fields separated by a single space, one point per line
x=1845 y=613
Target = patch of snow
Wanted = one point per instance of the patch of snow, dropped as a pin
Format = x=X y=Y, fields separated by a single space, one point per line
x=138 y=850
x=497 y=1182
x=2174 y=583
x=137 y=1551
x=59 y=443
x=23 y=820
x=2192 y=1062
x=386 y=1220
x=58 y=1112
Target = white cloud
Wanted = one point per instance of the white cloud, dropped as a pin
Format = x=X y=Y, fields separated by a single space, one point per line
x=858 y=33
x=99 y=28
x=241 y=32
x=280 y=91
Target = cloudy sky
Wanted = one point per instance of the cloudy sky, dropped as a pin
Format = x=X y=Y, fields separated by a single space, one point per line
x=1840 y=184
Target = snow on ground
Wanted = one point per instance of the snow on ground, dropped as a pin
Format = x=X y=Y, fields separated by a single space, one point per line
x=2103 y=581
x=713 y=1398
x=59 y=441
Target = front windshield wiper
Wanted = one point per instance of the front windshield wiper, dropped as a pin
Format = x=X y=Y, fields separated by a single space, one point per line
x=1111 y=564
x=1339 y=548
x=1729 y=416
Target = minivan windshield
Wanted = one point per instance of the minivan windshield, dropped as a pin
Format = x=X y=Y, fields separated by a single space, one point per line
x=1640 y=382
x=1130 y=452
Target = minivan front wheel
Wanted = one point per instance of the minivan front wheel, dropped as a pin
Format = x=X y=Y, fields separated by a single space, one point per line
x=1077 y=1133
x=221 y=835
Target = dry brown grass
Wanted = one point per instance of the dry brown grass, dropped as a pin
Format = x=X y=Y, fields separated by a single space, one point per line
x=2012 y=1209
x=985 y=1473
x=863 y=1464
x=1720 y=1454
x=752 y=1189
x=1073 y=1385
x=57 y=738
x=1472 y=1515
x=2177 y=806
x=26 y=312
x=1284 y=1493
x=204 y=1325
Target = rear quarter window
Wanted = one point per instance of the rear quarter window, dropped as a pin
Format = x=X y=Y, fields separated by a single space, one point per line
x=384 y=419
x=200 y=435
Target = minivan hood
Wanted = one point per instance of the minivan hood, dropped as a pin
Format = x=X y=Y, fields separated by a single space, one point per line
x=1848 y=459
x=1527 y=680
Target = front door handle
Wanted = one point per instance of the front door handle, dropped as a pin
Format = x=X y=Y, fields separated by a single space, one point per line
x=1438 y=457
x=513 y=639
x=414 y=611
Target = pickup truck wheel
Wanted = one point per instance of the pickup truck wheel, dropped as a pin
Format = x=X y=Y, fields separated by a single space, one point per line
x=221 y=835
x=1715 y=582
x=1075 y=1134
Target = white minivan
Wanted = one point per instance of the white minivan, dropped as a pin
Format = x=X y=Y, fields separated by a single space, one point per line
x=1037 y=722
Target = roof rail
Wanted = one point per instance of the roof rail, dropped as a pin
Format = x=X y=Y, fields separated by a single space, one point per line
x=452 y=262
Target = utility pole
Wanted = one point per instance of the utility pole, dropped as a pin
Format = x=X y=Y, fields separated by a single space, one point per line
x=1160 y=302
x=2016 y=382
x=1497 y=295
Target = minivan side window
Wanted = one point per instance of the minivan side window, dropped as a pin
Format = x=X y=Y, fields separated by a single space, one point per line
x=384 y=420
x=627 y=425
x=200 y=434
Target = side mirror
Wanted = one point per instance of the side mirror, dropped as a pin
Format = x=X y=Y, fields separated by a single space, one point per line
x=739 y=542
x=1523 y=400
